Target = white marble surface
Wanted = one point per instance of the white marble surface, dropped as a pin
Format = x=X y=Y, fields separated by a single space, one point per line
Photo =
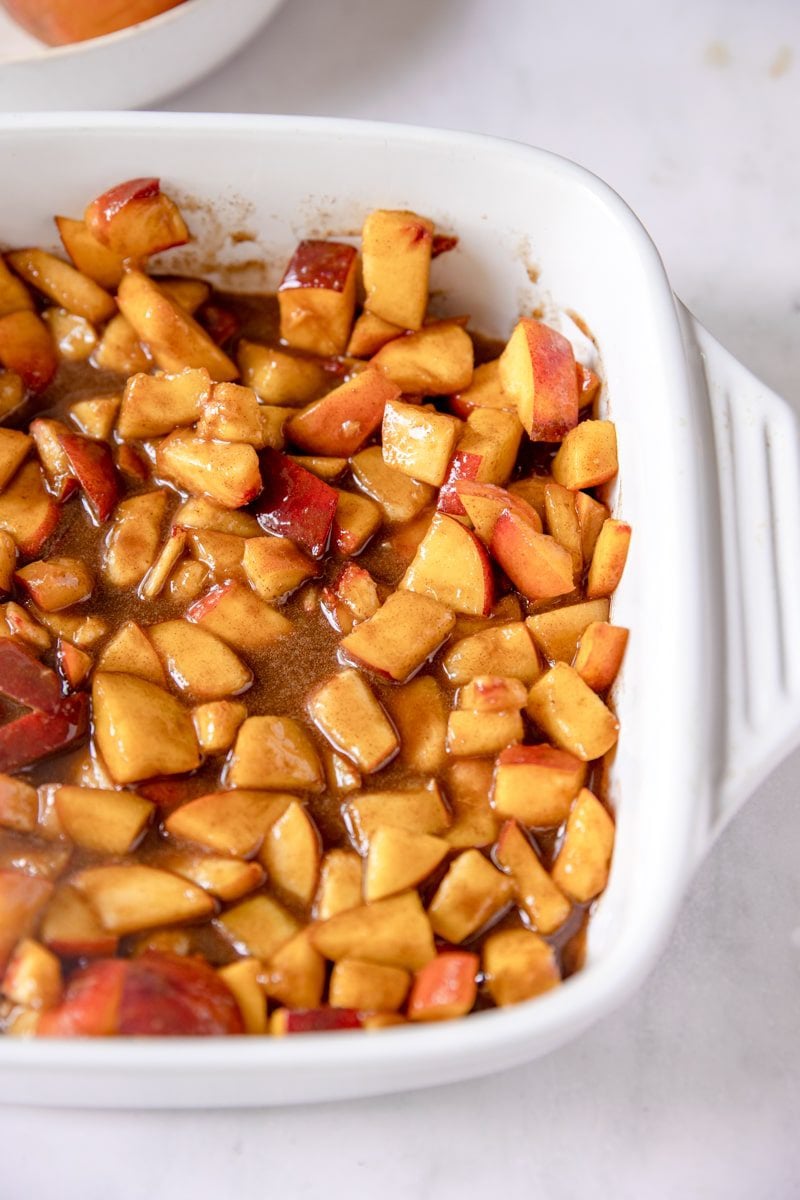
x=693 y=1088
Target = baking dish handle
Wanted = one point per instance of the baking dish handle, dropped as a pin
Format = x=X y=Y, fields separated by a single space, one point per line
x=757 y=444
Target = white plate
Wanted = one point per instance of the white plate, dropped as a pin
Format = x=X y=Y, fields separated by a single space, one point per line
x=134 y=67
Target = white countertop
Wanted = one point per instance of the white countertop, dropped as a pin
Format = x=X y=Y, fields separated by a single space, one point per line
x=693 y=1088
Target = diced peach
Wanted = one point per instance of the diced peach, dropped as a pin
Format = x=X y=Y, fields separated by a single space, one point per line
x=275 y=753
x=400 y=497
x=444 y=988
x=22 y=899
x=571 y=714
x=546 y=905
x=472 y=893
x=600 y=654
x=129 y=897
x=33 y=976
x=27 y=512
x=27 y=348
x=295 y=504
x=225 y=472
x=14 y=448
x=479 y=734
x=280 y=378
x=295 y=973
x=222 y=553
x=346 y=711
x=14 y=296
x=451 y=566
x=19 y=805
x=417 y=810
x=187 y=581
x=484 y=504
x=484 y=392
x=537 y=369
x=505 y=650
x=216 y=724
x=153 y=405
x=257 y=927
x=323 y=466
x=74 y=337
x=191 y=294
x=8 y=560
x=199 y=664
x=199 y=513
x=95 y=417
x=242 y=978
x=102 y=821
x=120 y=350
x=561 y=517
x=131 y=653
x=272 y=425
x=56 y=583
x=317 y=297
x=140 y=729
x=536 y=784
x=609 y=558
x=92 y=465
x=368 y=986
x=175 y=339
x=406 y=630
x=26 y=681
x=475 y=823
x=313 y=1020
x=419 y=712
x=71 y=928
x=588 y=385
x=398 y=860
x=531 y=489
x=535 y=562
x=291 y=855
x=396 y=252
x=486 y=453
x=135 y=219
x=73 y=664
x=591 y=518
x=231 y=414
x=558 y=632
x=275 y=567
x=82 y=630
x=587 y=456
x=226 y=878
x=394 y=932
x=156 y=578
x=63 y=284
x=339 y=883
x=23 y=627
x=344 y=419
x=369 y=333
x=433 y=362
x=358 y=591
x=492 y=693
x=582 y=865
x=418 y=440
x=12 y=393
x=518 y=965
x=228 y=822
x=237 y=615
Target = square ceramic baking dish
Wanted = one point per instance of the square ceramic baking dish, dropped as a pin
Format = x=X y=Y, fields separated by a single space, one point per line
x=710 y=695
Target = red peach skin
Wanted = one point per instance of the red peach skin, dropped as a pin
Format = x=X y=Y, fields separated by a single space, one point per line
x=25 y=680
x=295 y=503
x=37 y=734
x=93 y=466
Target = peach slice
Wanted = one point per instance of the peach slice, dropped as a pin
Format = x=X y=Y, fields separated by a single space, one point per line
x=216 y=724
x=343 y=420
x=394 y=932
x=174 y=338
x=346 y=711
x=71 y=928
x=518 y=965
x=272 y=422
x=406 y=630
x=135 y=219
x=276 y=754
x=546 y=905
x=295 y=973
x=22 y=899
x=531 y=489
x=536 y=784
x=243 y=980
x=317 y=297
x=37 y=734
x=313 y=1020
x=130 y=897
x=153 y=405
x=587 y=456
x=582 y=864
x=74 y=664
x=561 y=517
x=222 y=553
x=434 y=362
x=120 y=350
x=535 y=562
x=191 y=294
x=95 y=417
x=226 y=878
x=92 y=465
x=418 y=441
x=280 y=378
x=368 y=986
x=537 y=369
x=228 y=822
x=19 y=805
x=323 y=466
x=232 y=414
x=14 y=296
x=416 y=810
x=257 y=927
x=419 y=712
x=106 y=822
x=504 y=650
x=396 y=253
x=132 y=542
x=234 y=613
x=600 y=654
x=200 y=513
x=472 y=893
x=369 y=334
x=484 y=503
x=27 y=512
x=56 y=583
x=225 y=472
x=63 y=285
x=187 y=581
x=609 y=558
x=129 y=651
x=591 y=518
x=451 y=566
x=89 y=255
x=295 y=504
x=479 y=734
x=27 y=349
x=400 y=497
x=14 y=447
x=484 y=392
x=291 y=854
x=558 y=632
x=155 y=580
x=33 y=976
x=82 y=631
x=398 y=860
x=339 y=883
x=140 y=729
x=445 y=988
x=17 y=623
x=8 y=561
x=475 y=823
x=571 y=714
x=199 y=664
x=275 y=567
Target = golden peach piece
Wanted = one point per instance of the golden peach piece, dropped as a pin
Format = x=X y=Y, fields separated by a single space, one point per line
x=225 y=472
x=74 y=337
x=8 y=560
x=17 y=623
x=471 y=894
x=199 y=513
x=226 y=878
x=14 y=296
x=536 y=784
x=141 y=730
x=130 y=897
x=484 y=504
x=317 y=296
x=82 y=631
x=291 y=855
x=452 y=567
x=74 y=664
x=275 y=567
x=416 y=809
x=272 y=423
x=419 y=712
x=155 y=405
x=546 y=905
x=106 y=822
x=433 y=362
x=535 y=562
x=394 y=932
x=484 y=392
x=174 y=338
x=571 y=715
x=400 y=497
x=241 y=618
x=368 y=986
x=191 y=294
x=228 y=822
x=418 y=441
x=345 y=710
x=357 y=591
x=479 y=734
x=156 y=578
x=558 y=632
x=506 y=650
x=492 y=437
x=592 y=515
x=120 y=350
x=63 y=284
x=216 y=724
x=187 y=581
x=275 y=754
x=280 y=378
x=133 y=540
x=369 y=333
x=130 y=652
x=396 y=255
x=89 y=255
x=357 y=519
x=56 y=583
x=71 y=928
x=33 y=976
x=222 y=553
x=537 y=369
x=96 y=417
x=609 y=558
x=344 y=419
x=19 y=805
x=231 y=414
x=406 y=630
x=199 y=664
x=518 y=965
x=582 y=865
x=27 y=512
x=339 y=884
x=468 y=783
x=561 y=517
x=135 y=218
x=600 y=654
x=295 y=973
x=398 y=860
x=27 y=349
x=492 y=693
x=243 y=979
x=257 y=927
x=325 y=467
x=531 y=490
x=587 y=456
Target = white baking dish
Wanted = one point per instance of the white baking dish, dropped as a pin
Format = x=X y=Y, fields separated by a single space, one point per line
x=710 y=696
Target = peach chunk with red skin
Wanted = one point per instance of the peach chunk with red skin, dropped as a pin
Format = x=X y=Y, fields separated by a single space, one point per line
x=484 y=504
x=295 y=504
x=342 y=421
x=317 y=296
x=135 y=219
x=537 y=369
x=536 y=784
x=92 y=464
x=396 y=251
x=444 y=988
x=56 y=583
x=485 y=453
x=535 y=562
x=226 y=472
x=22 y=899
x=27 y=512
x=404 y=632
x=600 y=654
